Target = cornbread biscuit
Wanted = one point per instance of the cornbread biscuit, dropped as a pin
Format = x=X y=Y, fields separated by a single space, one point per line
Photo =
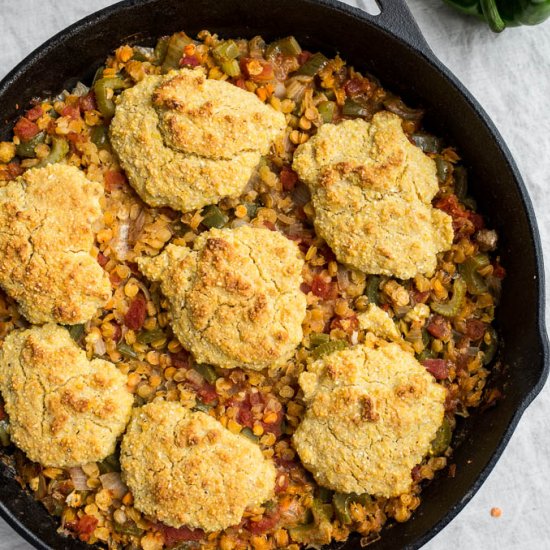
x=236 y=298
x=46 y=236
x=186 y=141
x=372 y=412
x=185 y=468
x=371 y=191
x=64 y=410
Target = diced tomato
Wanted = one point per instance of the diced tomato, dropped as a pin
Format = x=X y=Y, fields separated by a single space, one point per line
x=15 y=169
x=180 y=359
x=415 y=473
x=498 y=271
x=244 y=416
x=275 y=427
x=257 y=70
x=288 y=178
x=356 y=86
x=24 y=129
x=269 y=225
x=114 y=180
x=83 y=527
x=102 y=259
x=305 y=288
x=475 y=329
x=303 y=56
x=73 y=137
x=465 y=222
x=240 y=82
x=114 y=278
x=182 y=534
x=420 y=297
x=439 y=327
x=327 y=253
x=35 y=113
x=268 y=522
x=347 y=324
x=281 y=483
x=207 y=393
x=439 y=368
x=118 y=332
x=135 y=316
x=323 y=289
x=70 y=111
x=189 y=61
x=87 y=102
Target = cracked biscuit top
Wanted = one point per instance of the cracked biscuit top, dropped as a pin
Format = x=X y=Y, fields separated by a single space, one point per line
x=372 y=190
x=236 y=298
x=46 y=236
x=64 y=409
x=372 y=413
x=185 y=468
x=186 y=141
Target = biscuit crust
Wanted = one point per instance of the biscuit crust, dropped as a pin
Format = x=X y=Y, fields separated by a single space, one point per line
x=185 y=468
x=64 y=409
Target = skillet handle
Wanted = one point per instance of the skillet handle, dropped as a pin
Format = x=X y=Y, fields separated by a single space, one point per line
x=396 y=18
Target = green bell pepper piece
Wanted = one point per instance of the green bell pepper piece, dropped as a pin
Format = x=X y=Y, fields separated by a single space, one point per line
x=500 y=14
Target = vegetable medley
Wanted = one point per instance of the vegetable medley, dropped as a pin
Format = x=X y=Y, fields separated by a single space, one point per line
x=446 y=319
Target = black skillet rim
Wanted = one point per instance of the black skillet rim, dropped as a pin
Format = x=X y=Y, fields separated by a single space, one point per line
x=407 y=33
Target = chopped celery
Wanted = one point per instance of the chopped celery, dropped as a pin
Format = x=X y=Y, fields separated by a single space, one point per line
x=231 y=67
x=329 y=347
x=174 y=51
x=469 y=271
x=490 y=348
x=326 y=110
x=160 y=50
x=99 y=136
x=284 y=46
x=4 y=433
x=247 y=432
x=226 y=50
x=148 y=336
x=372 y=289
x=442 y=438
x=58 y=152
x=105 y=104
x=214 y=217
x=454 y=305
x=127 y=350
x=318 y=338
x=202 y=407
x=208 y=372
x=76 y=332
x=26 y=148
x=352 y=108
x=313 y=65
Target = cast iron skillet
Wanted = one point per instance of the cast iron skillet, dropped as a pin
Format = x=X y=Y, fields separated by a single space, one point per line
x=391 y=47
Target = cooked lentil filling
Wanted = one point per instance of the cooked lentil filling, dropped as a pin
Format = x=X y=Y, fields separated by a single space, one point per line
x=445 y=319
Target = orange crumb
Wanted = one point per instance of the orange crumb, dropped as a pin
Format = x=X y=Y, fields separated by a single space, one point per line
x=496 y=512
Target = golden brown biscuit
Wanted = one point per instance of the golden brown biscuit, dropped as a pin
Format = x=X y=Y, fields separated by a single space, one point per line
x=236 y=298
x=185 y=468
x=371 y=191
x=46 y=235
x=64 y=409
x=372 y=412
x=186 y=141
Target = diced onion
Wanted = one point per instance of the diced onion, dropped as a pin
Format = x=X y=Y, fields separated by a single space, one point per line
x=112 y=482
x=79 y=478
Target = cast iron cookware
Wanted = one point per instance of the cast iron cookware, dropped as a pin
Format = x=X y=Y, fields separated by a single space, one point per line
x=391 y=47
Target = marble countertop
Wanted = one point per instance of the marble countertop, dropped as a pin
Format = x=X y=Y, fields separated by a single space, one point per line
x=509 y=74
